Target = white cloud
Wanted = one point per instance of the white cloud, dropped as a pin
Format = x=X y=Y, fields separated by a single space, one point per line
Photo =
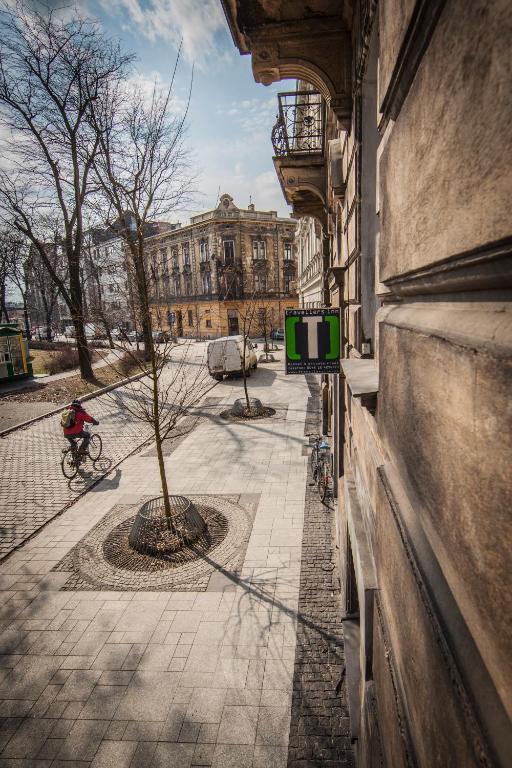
x=254 y=117
x=196 y=22
x=145 y=83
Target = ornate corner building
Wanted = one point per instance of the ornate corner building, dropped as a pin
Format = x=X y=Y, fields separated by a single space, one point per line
x=397 y=144
x=208 y=275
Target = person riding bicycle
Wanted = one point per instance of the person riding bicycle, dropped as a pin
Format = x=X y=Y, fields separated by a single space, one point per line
x=77 y=417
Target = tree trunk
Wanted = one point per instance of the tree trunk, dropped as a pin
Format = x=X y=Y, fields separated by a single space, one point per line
x=244 y=375
x=84 y=358
x=77 y=316
x=25 y=318
x=158 y=442
x=3 y=305
x=142 y=290
x=109 y=335
x=49 y=319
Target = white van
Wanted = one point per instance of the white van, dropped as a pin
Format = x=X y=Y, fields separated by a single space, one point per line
x=225 y=356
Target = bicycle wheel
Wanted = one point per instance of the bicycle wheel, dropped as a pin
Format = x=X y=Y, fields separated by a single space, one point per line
x=326 y=488
x=95 y=447
x=314 y=463
x=320 y=475
x=68 y=464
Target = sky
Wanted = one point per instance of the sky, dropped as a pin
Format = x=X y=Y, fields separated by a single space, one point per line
x=230 y=116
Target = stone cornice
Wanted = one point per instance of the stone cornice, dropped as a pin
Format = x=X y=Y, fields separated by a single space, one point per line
x=317 y=50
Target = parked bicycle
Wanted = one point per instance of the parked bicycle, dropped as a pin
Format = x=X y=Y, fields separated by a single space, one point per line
x=74 y=456
x=321 y=467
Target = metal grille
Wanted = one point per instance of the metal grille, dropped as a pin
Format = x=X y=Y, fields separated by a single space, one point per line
x=300 y=124
x=153 y=533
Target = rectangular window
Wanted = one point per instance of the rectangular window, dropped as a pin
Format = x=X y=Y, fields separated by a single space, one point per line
x=190 y=317
x=259 y=249
x=287 y=282
x=203 y=251
x=288 y=252
x=186 y=254
x=229 y=252
x=177 y=286
x=188 y=285
x=206 y=282
x=208 y=323
x=260 y=283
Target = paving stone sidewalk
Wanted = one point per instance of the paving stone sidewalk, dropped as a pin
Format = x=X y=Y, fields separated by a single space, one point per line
x=181 y=679
x=320 y=728
x=33 y=489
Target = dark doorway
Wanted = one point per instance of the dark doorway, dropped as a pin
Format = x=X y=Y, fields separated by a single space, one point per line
x=233 y=323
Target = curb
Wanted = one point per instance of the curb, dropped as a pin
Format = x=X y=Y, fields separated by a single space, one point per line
x=90 y=396
x=105 y=474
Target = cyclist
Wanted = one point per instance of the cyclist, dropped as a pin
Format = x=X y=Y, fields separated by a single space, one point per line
x=78 y=417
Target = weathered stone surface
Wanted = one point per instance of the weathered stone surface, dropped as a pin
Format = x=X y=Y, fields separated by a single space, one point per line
x=445 y=422
x=425 y=676
x=439 y=198
x=394 y=17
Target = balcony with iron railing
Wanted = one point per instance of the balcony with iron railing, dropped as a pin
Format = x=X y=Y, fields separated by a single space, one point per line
x=299 y=128
x=298 y=139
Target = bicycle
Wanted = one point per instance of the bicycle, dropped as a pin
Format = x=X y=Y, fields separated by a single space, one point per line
x=319 y=445
x=73 y=456
x=324 y=478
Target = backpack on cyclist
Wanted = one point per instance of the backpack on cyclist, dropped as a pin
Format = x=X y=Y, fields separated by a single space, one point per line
x=67 y=418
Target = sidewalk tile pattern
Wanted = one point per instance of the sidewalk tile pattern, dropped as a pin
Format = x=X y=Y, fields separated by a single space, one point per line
x=319 y=729
x=147 y=678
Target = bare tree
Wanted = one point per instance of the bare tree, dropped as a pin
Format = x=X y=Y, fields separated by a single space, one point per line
x=42 y=290
x=265 y=324
x=4 y=276
x=54 y=74
x=142 y=168
x=13 y=258
x=105 y=272
x=249 y=319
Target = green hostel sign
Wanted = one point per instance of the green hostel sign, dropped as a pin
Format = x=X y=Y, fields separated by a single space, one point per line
x=312 y=340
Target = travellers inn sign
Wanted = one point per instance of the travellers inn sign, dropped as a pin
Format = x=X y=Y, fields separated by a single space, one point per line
x=312 y=340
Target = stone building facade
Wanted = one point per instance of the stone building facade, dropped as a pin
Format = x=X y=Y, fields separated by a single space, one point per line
x=310 y=258
x=409 y=178
x=227 y=264
x=107 y=289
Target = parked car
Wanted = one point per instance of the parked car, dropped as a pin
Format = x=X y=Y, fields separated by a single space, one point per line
x=277 y=334
x=226 y=356
x=160 y=337
x=134 y=336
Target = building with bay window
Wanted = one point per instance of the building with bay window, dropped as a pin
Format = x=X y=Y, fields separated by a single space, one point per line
x=206 y=274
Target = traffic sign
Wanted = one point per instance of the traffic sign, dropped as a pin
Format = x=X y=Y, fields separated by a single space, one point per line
x=312 y=340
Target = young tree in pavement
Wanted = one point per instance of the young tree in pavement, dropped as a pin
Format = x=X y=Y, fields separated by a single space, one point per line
x=143 y=171
x=54 y=73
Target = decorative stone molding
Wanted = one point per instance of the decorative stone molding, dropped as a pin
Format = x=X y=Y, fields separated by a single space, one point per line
x=316 y=50
x=303 y=183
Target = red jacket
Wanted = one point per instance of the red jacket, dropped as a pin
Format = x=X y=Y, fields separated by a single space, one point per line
x=81 y=417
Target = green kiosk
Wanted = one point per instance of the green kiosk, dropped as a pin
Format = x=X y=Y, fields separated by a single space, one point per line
x=14 y=354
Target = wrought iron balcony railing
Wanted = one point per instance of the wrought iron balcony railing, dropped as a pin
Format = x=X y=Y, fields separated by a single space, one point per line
x=300 y=124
